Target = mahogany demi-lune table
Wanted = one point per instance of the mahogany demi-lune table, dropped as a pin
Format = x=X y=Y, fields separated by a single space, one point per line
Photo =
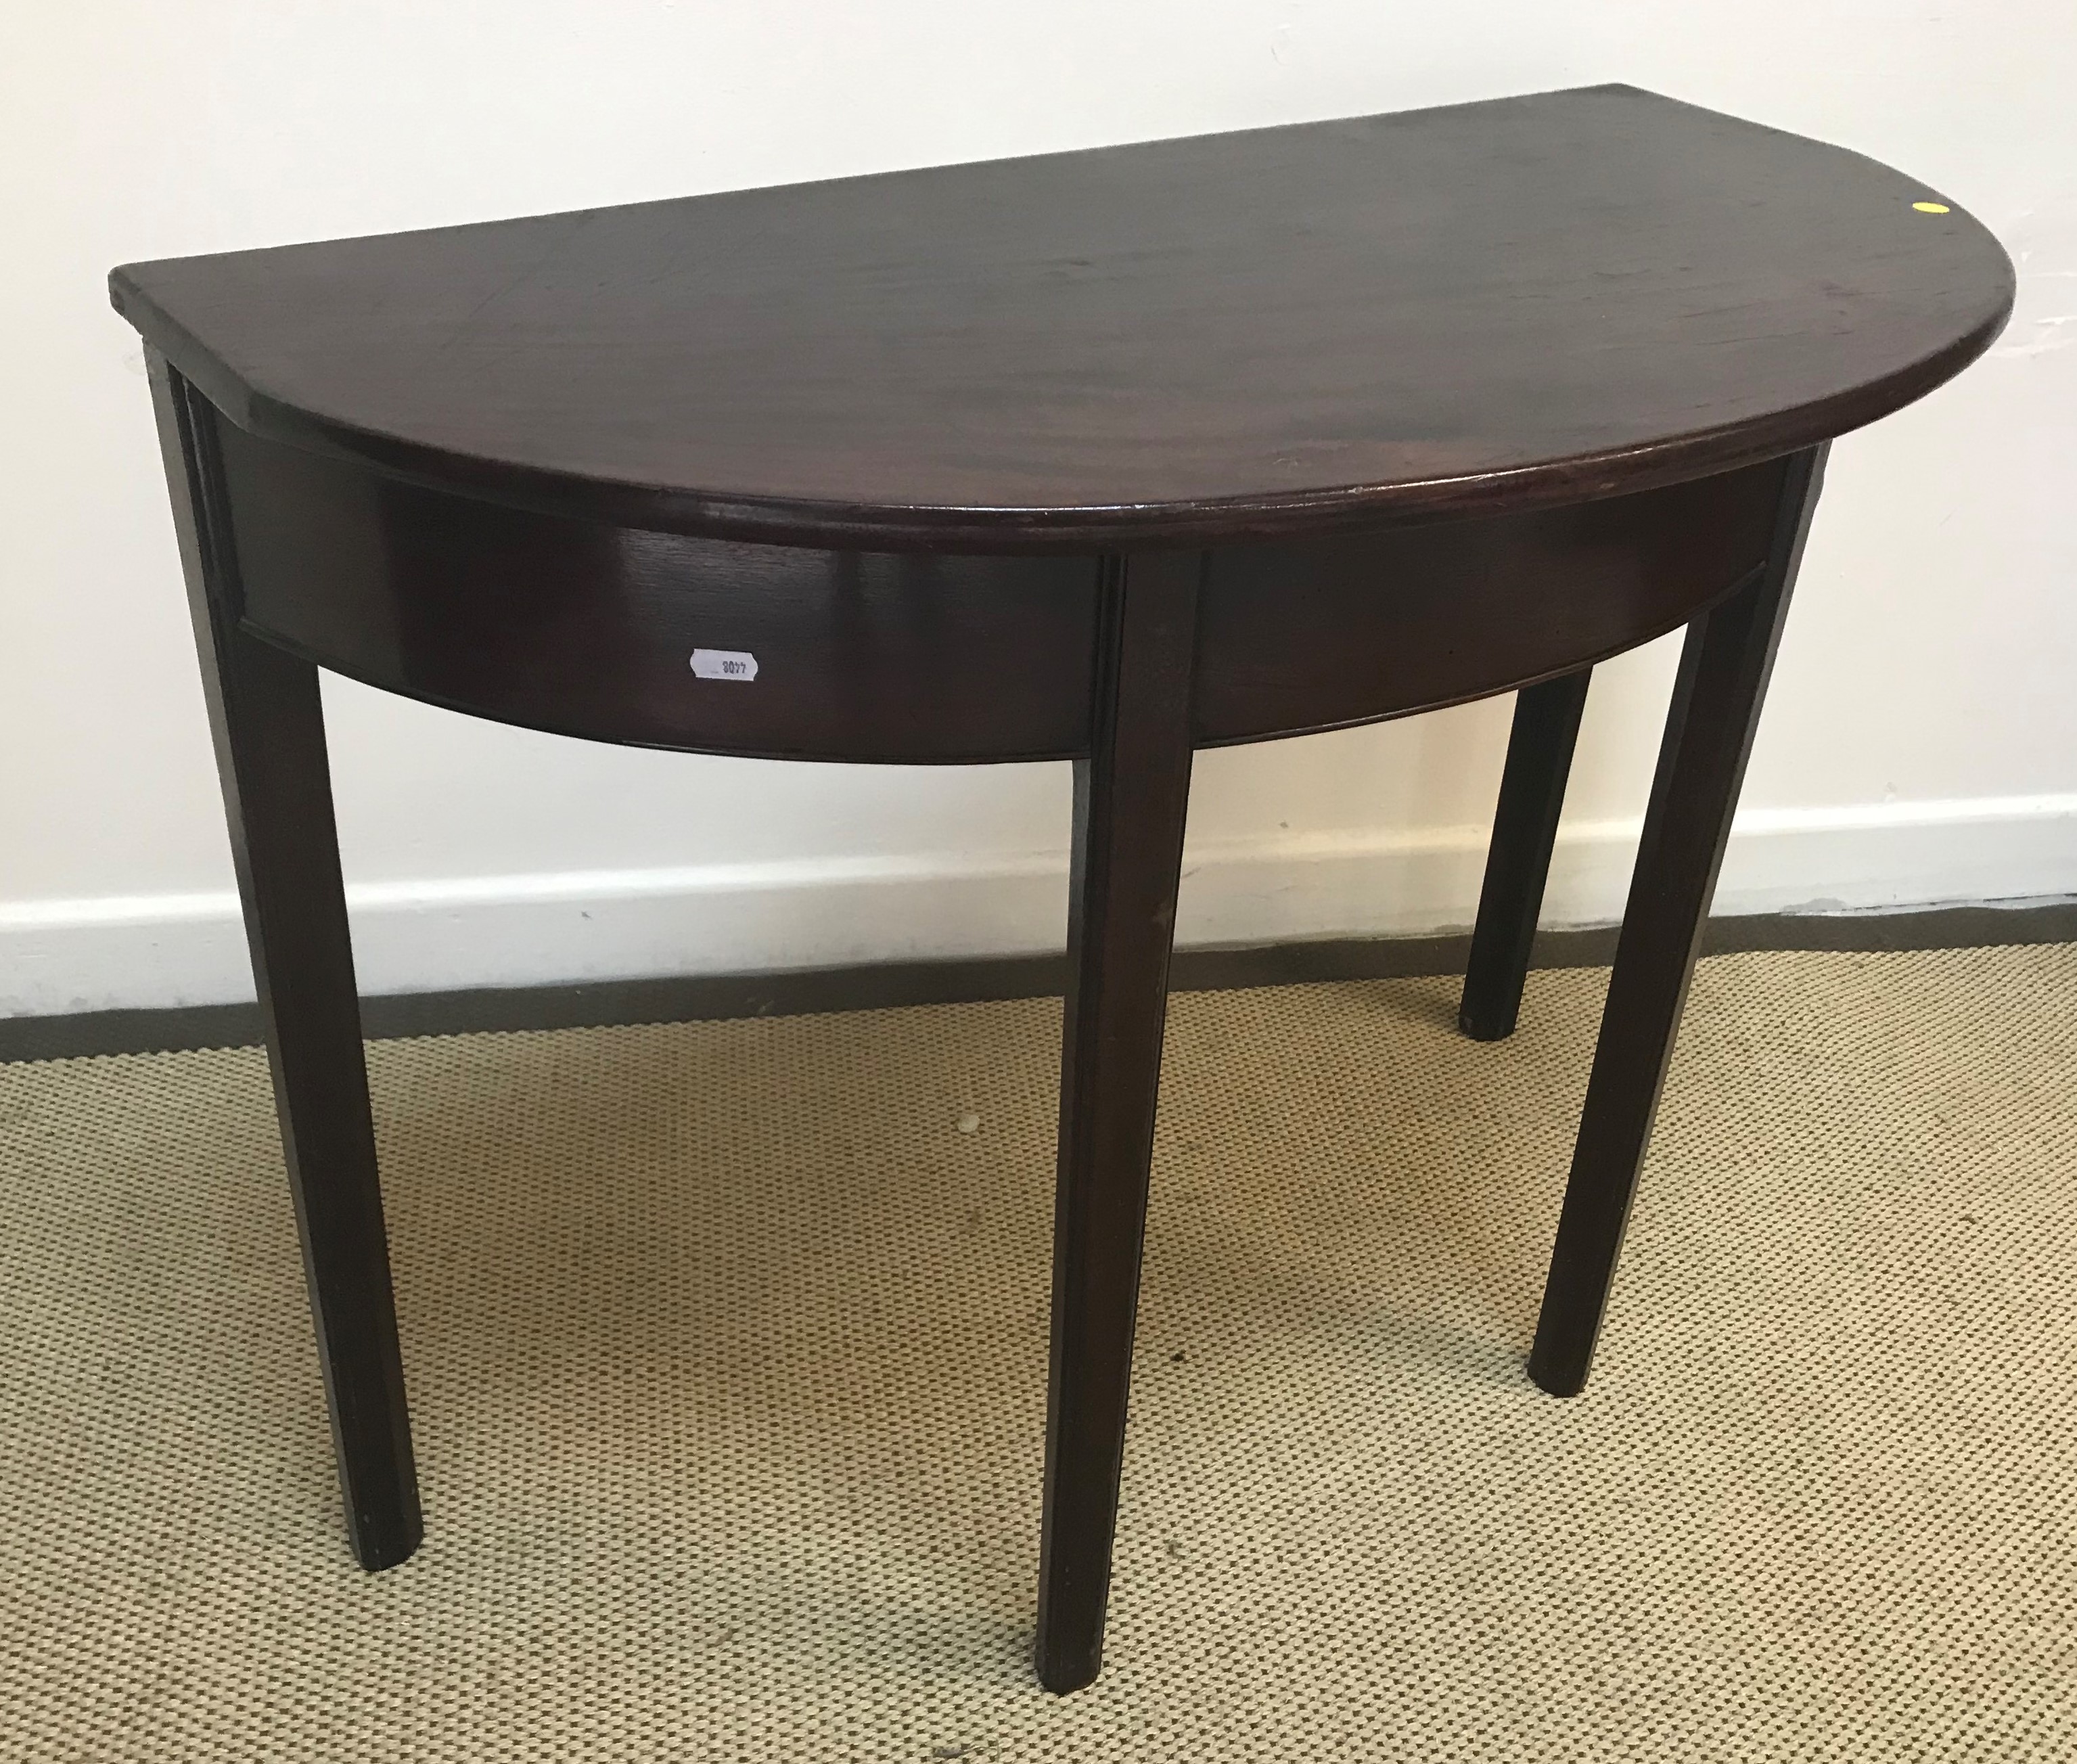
x=1101 y=456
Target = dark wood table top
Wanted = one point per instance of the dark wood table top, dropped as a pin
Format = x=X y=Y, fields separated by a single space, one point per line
x=1500 y=304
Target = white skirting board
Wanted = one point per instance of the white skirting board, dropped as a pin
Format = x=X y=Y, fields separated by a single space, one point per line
x=147 y=951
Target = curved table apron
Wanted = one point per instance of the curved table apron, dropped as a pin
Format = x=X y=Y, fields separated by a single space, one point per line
x=1102 y=456
x=586 y=630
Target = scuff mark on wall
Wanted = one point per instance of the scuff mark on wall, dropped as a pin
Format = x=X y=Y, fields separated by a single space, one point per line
x=2049 y=337
x=1283 y=37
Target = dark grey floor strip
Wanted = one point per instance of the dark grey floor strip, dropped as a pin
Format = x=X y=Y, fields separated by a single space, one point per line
x=877 y=986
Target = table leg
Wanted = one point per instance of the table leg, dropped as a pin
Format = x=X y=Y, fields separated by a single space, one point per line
x=1131 y=795
x=1716 y=707
x=1532 y=791
x=268 y=728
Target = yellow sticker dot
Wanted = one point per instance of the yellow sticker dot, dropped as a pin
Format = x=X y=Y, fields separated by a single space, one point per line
x=1930 y=208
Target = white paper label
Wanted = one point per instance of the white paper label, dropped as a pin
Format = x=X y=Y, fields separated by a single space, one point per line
x=724 y=664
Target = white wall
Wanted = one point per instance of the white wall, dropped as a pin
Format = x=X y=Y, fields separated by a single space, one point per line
x=1922 y=741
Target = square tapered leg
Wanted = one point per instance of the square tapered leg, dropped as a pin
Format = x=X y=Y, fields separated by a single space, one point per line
x=1532 y=792
x=1716 y=700
x=268 y=727
x=1131 y=792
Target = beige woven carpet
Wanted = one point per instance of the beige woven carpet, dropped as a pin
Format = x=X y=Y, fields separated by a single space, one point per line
x=726 y=1346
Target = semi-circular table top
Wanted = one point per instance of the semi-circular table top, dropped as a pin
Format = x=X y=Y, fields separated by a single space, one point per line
x=1494 y=305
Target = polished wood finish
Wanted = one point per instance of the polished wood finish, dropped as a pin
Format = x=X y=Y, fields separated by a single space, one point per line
x=1131 y=791
x=1348 y=629
x=587 y=630
x=268 y=728
x=1531 y=794
x=1536 y=300
x=1103 y=456
x=1716 y=697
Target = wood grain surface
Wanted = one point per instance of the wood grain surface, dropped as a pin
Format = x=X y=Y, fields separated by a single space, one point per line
x=1527 y=300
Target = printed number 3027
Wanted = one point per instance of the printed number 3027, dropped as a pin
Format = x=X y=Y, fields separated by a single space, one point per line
x=724 y=664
